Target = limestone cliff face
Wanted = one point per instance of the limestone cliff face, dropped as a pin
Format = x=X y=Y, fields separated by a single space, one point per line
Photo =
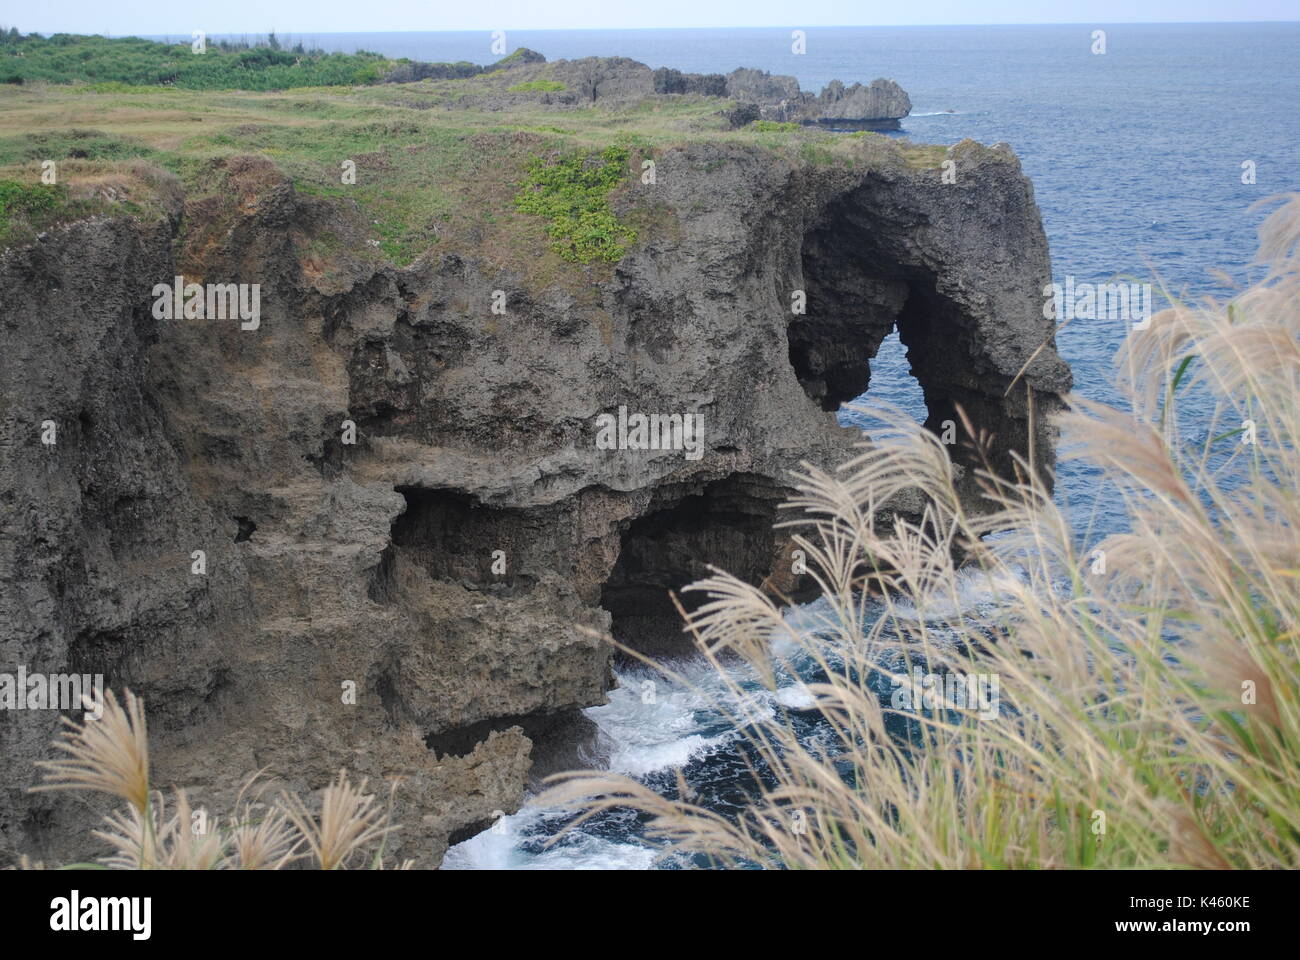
x=378 y=563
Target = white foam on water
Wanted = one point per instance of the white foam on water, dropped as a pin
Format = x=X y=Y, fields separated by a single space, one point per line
x=974 y=592
x=501 y=848
x=651 y=723
x=806 y=618
x=796 y=697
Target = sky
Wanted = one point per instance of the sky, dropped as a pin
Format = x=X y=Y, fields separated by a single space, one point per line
x=351 y=16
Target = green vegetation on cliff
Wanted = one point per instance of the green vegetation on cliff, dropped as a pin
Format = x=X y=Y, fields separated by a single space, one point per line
x=537 y=86
x=28 y=209
x=572 y=194
x=23 y=206
x=17 y=198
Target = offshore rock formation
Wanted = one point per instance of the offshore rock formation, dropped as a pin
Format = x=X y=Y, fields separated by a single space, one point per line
x=377 y=563
x=876 y=107
x=859 y=107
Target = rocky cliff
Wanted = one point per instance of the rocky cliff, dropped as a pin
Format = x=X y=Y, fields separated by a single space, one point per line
x=460 y=562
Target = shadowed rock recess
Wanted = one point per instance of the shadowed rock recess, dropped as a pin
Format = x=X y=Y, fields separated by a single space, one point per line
x=377 y=562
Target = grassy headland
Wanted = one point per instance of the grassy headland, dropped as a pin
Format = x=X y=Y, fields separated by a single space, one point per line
x=127 y=134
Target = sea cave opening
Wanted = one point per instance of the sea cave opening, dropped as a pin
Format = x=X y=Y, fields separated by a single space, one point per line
x=726 y=523
x=453 y=536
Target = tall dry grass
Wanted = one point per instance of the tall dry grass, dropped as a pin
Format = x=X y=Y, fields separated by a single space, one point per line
x=111 y=755
x=1148 y=712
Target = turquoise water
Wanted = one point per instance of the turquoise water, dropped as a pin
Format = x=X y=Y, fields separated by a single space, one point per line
x=1136 y=160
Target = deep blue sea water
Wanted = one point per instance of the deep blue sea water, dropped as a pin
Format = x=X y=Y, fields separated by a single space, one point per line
x=1136 y=158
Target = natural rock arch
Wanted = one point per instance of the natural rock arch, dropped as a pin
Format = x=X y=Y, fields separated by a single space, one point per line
x=880 y=256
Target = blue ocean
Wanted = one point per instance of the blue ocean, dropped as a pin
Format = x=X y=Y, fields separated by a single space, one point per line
x=1137 y=157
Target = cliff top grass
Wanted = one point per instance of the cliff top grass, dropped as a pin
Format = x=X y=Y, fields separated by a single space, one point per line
x=439 y=164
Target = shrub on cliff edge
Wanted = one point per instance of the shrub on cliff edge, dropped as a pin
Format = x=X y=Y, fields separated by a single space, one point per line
x=572 y=194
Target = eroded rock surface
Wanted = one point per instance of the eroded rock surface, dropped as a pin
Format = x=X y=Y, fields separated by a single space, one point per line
x=375 y=563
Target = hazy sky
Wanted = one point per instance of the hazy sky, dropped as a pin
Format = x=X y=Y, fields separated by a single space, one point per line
x=327 y=16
